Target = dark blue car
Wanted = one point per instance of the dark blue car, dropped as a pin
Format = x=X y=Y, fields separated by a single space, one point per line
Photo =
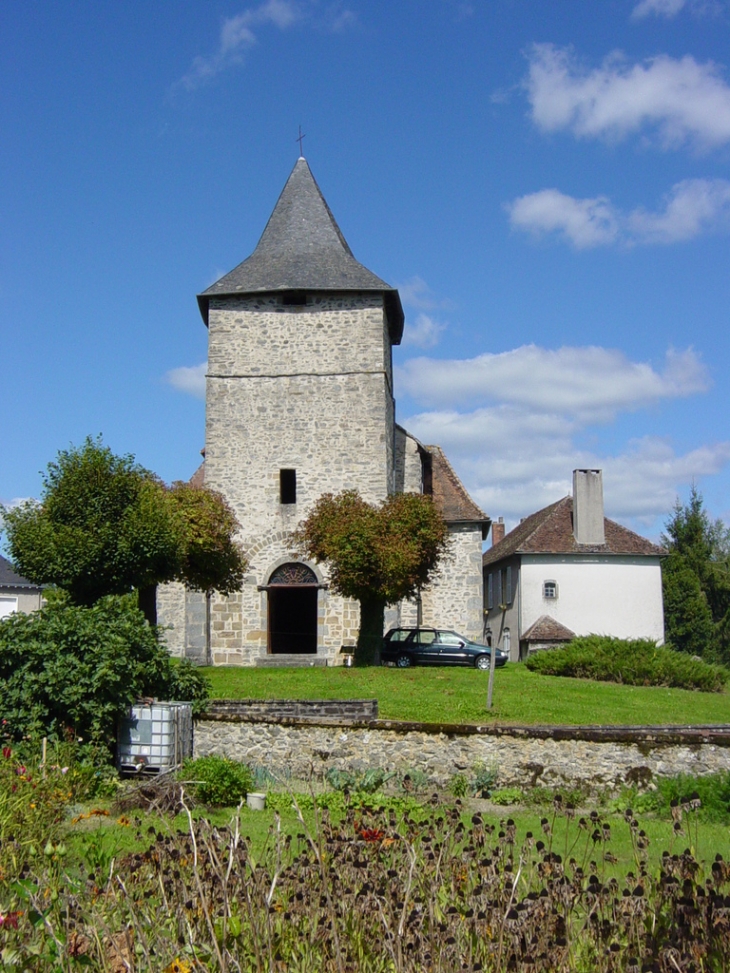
x=406 y=647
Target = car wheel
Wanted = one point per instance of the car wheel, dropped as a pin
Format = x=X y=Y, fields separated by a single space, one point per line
x=482 y=662
x=403 y=661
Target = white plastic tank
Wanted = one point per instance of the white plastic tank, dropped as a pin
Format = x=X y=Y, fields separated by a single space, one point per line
x=155 y=738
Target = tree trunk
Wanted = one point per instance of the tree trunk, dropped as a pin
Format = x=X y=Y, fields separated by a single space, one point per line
x=370 y=636
x=147 y=603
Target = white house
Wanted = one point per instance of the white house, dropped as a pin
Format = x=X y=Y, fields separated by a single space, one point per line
x=17 y=594
x=567 y=570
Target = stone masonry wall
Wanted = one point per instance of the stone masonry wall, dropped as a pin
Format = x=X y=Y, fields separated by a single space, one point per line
x=555 y=757
x=455 y=600
x=171 y=616
x=307 y=388
x=239 y=622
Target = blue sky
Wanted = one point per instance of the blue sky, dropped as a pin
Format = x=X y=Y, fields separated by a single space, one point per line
x=546 y=181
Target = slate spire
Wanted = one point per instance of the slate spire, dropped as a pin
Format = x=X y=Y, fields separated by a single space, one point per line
x=302 y=249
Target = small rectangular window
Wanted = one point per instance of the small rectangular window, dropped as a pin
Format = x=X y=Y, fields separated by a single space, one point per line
x=287 y=486
x=294 y=298
x=550 y=589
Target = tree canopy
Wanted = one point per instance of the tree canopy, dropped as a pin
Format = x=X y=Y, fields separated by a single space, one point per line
x=105 y=526
x=696 y=581
x=377 y=555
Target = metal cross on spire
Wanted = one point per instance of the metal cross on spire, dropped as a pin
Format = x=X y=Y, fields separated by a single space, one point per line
x=299 y=140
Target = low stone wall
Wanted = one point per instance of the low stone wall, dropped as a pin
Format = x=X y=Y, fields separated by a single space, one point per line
x=595 y=756
x=344 y=710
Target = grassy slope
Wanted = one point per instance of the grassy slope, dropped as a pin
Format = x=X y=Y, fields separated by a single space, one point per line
x=459 y=695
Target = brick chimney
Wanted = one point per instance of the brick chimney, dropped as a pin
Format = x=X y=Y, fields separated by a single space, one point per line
x=588 y=507
x=497 y=531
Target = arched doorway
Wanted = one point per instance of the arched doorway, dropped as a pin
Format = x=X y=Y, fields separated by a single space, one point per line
x=292 y=591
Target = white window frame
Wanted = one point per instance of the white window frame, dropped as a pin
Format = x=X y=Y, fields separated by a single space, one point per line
x=549 y=583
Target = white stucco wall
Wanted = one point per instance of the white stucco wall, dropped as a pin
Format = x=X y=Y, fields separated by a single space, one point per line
x=619 y=596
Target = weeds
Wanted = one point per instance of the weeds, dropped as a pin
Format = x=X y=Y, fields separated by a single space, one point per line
x=374 y=891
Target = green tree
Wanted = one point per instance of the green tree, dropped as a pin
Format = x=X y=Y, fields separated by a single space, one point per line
x=696 y=581
x=376 y=555
x=105 y=526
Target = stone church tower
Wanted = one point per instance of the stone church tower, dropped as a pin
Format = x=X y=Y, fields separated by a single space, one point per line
x=299 y=402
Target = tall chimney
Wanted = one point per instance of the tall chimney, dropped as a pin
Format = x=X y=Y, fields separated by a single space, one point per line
x=497 y=531
x=588 y=507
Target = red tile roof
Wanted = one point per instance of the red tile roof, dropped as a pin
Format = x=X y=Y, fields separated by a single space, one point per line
x=550 y=531
x=546 y=629
x=449 y=494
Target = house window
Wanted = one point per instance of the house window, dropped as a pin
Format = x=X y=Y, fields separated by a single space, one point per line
x=550 y=589
x=287 y=486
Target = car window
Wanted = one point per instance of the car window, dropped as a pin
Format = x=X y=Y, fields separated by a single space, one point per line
x=450 y=638
x=425 y=637
x=399 y=635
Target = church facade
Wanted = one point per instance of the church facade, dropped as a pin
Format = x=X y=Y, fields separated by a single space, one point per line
x=299 y=402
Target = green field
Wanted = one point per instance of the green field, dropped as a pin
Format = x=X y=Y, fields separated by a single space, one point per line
x=459 y=695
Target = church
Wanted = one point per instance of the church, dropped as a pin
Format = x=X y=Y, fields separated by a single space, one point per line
x=299 y=402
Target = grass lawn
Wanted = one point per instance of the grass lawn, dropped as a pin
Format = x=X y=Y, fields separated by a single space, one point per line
x=459 y=695
x=99 y=840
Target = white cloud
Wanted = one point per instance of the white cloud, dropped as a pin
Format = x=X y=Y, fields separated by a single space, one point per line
x=584 y=222
x=513 y=425
x=237 y=36
x=425 y=333
x=670 y=8
x=679 y=99
x=692 y=207
x=589 y=384
x=415 y=292
x=189 y=379
x=662 y=8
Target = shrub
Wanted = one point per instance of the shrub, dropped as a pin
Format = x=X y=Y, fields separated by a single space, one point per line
x=71 y=672
x=637 y=662
x=218 y=781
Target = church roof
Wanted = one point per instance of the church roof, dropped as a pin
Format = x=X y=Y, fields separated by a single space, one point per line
x=547 y=629
x=550 y=531
x=10 y=579
x=449 y=494
x=303 y=249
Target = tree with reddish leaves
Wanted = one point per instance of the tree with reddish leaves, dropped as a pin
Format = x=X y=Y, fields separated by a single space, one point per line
x=377 y=555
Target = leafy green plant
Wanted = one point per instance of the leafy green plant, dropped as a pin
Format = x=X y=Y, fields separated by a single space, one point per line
x=712 y=791
x=367 y=781
x=218 y=781
x=484 y=779
x=459 y=785
x=70 y=672
x=505 y=796
x=637 y=662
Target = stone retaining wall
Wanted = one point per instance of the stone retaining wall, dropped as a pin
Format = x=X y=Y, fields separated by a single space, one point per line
x=596 y=756
x=345 y=710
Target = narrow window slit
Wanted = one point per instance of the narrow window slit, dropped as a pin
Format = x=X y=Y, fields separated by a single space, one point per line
x=287 y=486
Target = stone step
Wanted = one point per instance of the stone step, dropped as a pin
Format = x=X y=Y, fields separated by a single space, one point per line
x=290 y=661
